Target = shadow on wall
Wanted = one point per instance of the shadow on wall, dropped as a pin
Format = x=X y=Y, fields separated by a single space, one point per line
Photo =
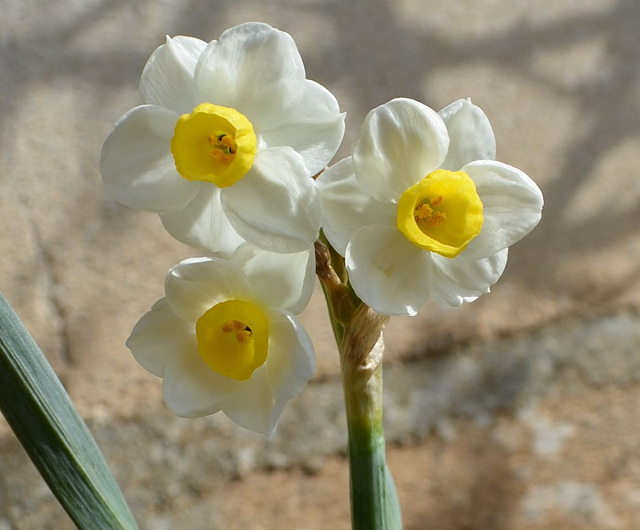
x=486 y=490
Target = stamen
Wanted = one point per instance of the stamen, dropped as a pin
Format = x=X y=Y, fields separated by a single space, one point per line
x=243 y=332
x=425 y=213
x=437 y=218
x=224 y=148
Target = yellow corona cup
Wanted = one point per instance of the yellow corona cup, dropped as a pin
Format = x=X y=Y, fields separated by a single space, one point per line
x=214 y=144
x=442 y=213
x=233 y=338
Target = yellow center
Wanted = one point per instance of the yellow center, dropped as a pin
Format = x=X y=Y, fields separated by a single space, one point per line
x=215 y=144
x=233 y=338
x=442 y=213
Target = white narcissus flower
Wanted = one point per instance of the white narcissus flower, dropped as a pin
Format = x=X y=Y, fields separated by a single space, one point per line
x=224 y=336
x=226 y=141
x=421 y=209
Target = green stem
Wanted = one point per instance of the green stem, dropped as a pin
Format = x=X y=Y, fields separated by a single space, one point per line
x=374 y=502
x=358 y=333
x=367 y=463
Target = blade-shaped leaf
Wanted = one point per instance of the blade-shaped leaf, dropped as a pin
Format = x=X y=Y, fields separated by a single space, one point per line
x=52 y=432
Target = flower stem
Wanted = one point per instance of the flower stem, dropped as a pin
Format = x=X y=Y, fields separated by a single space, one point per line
x=374 y=502
x=358 y=332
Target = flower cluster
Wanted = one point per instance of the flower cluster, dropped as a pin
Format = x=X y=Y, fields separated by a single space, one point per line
x=230 y=147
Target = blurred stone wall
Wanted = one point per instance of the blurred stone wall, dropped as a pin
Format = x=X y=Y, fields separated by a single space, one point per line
x=517 y=411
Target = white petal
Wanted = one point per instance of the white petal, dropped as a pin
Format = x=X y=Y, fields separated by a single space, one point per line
x=157 y=336
x=289 y=366
x=512 y=206
x=253 y=407
x=191 y=389
x=346 y=207
x=314 y=129
x=167 y=78
x=202 y=223
x=278 y=280
x=291 y=362
x=399 y=143
x=461 y=280
x=137 y=165
x=195 y=285
x=276 y=205
x=388 y=272
x=254 y=69
x=470 y=134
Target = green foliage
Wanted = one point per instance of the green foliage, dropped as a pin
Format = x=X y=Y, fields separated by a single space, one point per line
x=52 y=432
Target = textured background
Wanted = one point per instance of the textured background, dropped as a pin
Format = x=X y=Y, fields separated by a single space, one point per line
x=517 y=411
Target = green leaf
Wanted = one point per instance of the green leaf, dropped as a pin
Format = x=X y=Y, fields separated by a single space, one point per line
x=52 y=432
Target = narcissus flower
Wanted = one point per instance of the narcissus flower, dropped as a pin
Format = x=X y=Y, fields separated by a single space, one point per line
x=226 y=141
x=421 y=209
x=224 y=336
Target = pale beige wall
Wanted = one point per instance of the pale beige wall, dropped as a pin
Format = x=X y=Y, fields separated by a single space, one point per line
x=560 y=82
